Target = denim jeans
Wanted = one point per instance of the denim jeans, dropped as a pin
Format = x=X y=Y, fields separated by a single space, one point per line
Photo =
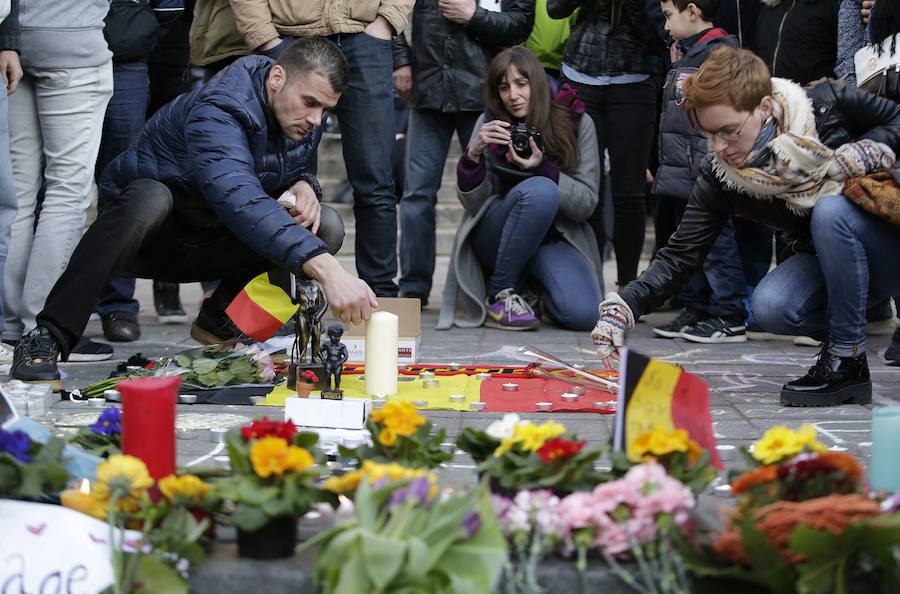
x=720 y=287
x=54 y=117
x=826 y=296
x=428 y=139
x=515 y=237
x=125 y=116
x=8 y=204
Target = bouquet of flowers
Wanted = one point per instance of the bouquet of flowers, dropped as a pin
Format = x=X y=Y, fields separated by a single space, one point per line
x=638 y=515
x=104 y=436
x=274 y=469
x=405 y=539
x=401 y=434
x=220 y=365
x=30 y=470
x=530 y=522
x=681 y=456
x=516 y=455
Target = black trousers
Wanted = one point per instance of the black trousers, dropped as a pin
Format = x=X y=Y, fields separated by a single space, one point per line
x=139 y=235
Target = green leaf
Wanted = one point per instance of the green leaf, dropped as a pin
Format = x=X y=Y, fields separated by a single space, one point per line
x=353 y=578
x=382 y=557
x=157 y=576
x=183 y=361
x=255 y=494
x=249 y=518
x=224 y=376
x=203 y=366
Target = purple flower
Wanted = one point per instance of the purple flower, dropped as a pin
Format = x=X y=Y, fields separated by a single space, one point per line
x=417 y=491
x=109 y=422
x=16 y=444
x=471 y=523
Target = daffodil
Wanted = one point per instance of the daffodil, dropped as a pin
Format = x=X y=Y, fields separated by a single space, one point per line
x=123 y=478
x=186 y=487
x=272 y=455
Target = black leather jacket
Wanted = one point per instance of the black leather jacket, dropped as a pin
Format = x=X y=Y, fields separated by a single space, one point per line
x=843 y=114
x=449 y=61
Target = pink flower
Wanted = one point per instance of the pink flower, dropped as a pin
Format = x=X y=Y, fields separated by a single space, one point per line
x=577 y=511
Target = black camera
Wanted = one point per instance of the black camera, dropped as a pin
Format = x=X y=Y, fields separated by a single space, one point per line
x=520 y=133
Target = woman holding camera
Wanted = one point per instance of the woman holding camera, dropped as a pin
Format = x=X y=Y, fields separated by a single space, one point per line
x=528 y=183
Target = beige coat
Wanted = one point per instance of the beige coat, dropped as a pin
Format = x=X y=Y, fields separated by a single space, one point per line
x=261 y=21
x=214 y=35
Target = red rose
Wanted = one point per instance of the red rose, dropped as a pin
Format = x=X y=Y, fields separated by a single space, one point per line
x=559 y=449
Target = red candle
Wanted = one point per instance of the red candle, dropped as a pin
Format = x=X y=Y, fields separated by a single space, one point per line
x=148 y=422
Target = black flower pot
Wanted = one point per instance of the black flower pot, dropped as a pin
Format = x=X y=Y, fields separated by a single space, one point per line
x=275 y=540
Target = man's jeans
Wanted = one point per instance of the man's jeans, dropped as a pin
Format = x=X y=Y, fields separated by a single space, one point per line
x=826 y=296
x=8 y=204
x=55 y=117
x=427 y=143
x=512 y=240
x=719 y=288
x=151 y=242
x=125 y=116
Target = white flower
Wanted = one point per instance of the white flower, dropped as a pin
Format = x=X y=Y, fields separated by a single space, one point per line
x=504 y=427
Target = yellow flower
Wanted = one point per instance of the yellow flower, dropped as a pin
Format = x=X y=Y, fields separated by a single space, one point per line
x=660 y=441
x=780 y=443
x=272 y=455
x=529 y=437
x=372 y=472
x=387 y=437
x=187 y=486
x=124 y=478
x=401 y=417
x=343 y=484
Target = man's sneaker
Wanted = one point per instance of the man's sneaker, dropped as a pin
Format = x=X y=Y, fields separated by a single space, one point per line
x=87 y=351
x=832 y=381
x=715 y=331
x=508 y=311
x=168 y=303
x=34 y=359
x=892 y=354
x=214 y=328
x=687 y=318
x=121 y=326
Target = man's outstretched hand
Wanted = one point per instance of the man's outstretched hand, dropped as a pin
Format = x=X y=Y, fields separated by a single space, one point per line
x=351 y=299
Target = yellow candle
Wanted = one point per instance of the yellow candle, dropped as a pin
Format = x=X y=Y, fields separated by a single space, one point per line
x=382 y=337
x=78 y=499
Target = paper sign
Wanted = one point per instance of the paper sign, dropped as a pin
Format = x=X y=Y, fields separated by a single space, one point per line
x=48 y=549
x=653 y=393
x=8 y=414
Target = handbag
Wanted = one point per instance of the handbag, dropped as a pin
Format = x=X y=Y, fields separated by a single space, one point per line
x=877 y=193
x=877 y=69
x=130 y=29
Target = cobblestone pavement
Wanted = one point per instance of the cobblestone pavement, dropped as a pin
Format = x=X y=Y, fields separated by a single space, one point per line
x=745 y=380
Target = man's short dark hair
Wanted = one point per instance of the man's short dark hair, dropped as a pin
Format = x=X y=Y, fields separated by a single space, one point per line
x=709 y=8
x=319 y=55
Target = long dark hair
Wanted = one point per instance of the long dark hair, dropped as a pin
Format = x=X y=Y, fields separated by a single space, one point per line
x=556 y=123
x=884 y=22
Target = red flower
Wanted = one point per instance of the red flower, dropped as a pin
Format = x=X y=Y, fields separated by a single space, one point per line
x=309 y=376
x=263 y=427
x=559 y=449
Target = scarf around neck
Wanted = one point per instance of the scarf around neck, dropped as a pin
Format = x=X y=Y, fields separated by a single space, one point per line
x=788 y=161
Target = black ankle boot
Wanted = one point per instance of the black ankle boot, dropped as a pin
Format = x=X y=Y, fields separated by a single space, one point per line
x=34 y=360
x=832 y=381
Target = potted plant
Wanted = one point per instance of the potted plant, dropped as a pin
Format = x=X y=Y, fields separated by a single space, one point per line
x=305 y=382
x=272 y=484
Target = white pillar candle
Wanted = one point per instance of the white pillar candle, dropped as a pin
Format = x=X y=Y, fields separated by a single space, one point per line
x=382 y=338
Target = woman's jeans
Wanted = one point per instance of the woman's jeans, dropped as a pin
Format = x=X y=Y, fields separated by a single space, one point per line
x=826 y=296
x=511 y=240
x=8 y=203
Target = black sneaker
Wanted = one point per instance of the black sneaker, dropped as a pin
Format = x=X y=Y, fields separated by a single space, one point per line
x=687 y=318
x=87 y=350
x=120 y=326
x=892 y=354
x=34 y=359
x=715 y=331
x=214 y=328
x=168 y=303
x=832 y=381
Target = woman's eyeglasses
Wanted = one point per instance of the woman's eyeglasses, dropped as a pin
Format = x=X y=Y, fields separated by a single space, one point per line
x=727 y=134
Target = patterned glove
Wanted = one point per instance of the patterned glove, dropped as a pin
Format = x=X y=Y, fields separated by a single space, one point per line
x=616 y=320
x=860 y=158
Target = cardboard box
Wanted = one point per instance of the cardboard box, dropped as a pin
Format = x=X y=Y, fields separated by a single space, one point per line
x=410 y=343
x=349 y=413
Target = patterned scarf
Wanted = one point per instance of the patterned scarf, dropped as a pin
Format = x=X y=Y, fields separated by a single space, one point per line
x=787 y=161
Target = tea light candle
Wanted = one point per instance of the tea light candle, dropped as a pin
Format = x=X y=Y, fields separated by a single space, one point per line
x=97 y=401
x=78 y=499
x=454 y=367
x=112 y=396
x=379 y=396
x=726 y=452
x=601 y=404
x=457 y=398
x=217 y=434
x=382 y=338
x=187 y=399
x=426 y=375
x=376 y=404
x=430 y=384
x=884 y=472
x=577 y=390
x=186 y=434
x=723 y=491
x=419 y=403
x=543 y=406
x=569 y=397
x=479 y=406
x=483 y=376
x=510 y=387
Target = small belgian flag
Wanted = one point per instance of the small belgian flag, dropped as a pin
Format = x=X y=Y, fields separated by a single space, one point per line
x=263 y=306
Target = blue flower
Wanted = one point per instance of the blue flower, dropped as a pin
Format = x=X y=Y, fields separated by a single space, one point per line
x=16 y=444
x=416 y=491
x=109 y=422
x=471 y=523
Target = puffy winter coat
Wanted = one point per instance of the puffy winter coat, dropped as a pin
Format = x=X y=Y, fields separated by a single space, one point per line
x=221 y=152
x=681 y=148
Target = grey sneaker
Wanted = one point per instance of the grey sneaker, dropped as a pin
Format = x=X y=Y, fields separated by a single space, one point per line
x=716 y=330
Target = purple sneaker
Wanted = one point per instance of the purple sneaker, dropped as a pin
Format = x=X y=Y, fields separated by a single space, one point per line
x=508 y=311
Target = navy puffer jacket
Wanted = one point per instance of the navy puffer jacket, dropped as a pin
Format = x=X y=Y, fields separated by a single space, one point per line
x=220 y=150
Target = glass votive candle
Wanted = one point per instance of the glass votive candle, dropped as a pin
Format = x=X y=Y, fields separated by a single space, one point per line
x=884 y=470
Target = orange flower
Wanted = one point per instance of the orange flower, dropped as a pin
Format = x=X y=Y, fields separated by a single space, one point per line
x=748 y=480
x=845 y=463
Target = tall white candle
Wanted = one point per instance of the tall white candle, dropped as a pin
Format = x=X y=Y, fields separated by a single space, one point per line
x=382 y=338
